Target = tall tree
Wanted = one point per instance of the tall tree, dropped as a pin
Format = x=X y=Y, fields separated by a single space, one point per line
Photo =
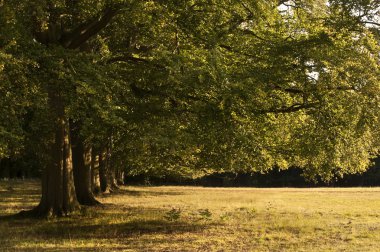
x=184 y=86
x=54 y=28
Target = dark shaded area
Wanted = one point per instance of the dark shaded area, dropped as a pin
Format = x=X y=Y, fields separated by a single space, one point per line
x=292 y=177
x=27 y=167
x=129 y=225
x=139 y=193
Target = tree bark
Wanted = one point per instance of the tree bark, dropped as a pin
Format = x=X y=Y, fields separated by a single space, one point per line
x=110 y=168
x=58 y=191
x=104 y=184
x=82 y=169
x=120 y=177
x=106 y=171
x=95 y=181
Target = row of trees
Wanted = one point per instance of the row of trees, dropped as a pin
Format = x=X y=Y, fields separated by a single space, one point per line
x=186 y=87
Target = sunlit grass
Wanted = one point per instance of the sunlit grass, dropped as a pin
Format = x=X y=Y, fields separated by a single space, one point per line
x=199 y=219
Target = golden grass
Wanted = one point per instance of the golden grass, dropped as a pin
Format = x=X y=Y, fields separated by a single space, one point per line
x=199 y=219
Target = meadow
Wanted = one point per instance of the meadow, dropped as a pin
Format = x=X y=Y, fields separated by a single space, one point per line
x=198 y=219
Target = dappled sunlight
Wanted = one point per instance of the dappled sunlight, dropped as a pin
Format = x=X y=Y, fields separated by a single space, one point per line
x=201 y=219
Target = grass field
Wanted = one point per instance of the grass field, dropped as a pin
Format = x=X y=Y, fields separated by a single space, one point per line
x=199 y=219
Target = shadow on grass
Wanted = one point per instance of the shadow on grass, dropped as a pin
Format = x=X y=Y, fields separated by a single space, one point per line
x=107 y=222
x=99 y=223
x=140 y=193
x=15 y=191
x=125 y=229
x=17 y=195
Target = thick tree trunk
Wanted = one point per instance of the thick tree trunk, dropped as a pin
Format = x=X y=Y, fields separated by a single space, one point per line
x=58 y=192
x=82 y=169
x=95 y=182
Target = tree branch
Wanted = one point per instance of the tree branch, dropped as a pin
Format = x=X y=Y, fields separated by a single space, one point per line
x=294 y=108
x=371 y=23
x=233 y=50
x=85 y=31
x=126 y=58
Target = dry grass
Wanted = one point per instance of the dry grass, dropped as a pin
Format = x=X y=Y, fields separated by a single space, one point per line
x=199 y=219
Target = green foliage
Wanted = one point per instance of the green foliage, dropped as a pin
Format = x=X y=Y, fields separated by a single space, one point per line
x=173 y=214
x=204 y=214
x=184 y=87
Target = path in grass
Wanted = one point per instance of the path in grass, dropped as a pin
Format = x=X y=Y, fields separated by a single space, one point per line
x=199 y=219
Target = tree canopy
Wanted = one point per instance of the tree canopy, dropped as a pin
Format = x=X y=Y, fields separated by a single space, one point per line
x=195 y=86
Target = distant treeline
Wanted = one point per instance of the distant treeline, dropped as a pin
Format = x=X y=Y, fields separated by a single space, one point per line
x=24 y=167
x=19 y=169
x=287 y=178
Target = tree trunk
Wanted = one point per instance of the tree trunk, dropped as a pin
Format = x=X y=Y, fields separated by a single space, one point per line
x=120 y=177
x=82 y=169
x=111 y=169
x=58 y=191
x=104 y=185
x=95 y=181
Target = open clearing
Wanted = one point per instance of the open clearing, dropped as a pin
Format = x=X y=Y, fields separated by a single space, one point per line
x=199 y=219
